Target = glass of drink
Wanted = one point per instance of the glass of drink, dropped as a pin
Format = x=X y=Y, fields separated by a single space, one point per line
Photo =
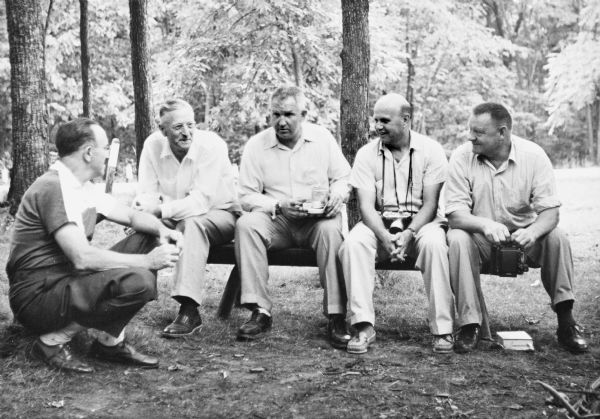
x=319 y=197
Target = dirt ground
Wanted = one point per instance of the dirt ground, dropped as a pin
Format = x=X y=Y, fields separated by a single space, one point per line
x=293 y=372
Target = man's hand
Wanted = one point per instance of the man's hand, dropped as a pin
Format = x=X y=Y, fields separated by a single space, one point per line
x=389 y=246
x=168 y=236
x=402 y=240
x=292 y=208
x=334 y=205
x=149 y=203
x=163 y=256
x=524 y=237
x=495 y=232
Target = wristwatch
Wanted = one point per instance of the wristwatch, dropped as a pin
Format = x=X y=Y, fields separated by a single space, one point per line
x=276 y=210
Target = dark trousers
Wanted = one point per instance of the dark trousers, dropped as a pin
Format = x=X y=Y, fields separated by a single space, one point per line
x=48 y=299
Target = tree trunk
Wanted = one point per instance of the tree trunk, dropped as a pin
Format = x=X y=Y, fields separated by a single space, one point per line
x=26 y=37
x=354 y=103
x=597 y=103
x=590 y=127
x=85 y=57
x=142 y=87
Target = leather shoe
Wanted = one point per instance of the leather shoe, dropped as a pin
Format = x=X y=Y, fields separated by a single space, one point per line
x=258 y=323
x=361 y=340
x=123 y=353
x=184 y=324
x=59 y=357
x=571 y=338
x=337 y=328
x=467 y=338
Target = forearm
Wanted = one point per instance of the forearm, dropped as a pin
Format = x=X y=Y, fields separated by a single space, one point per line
x=425 y=215
x=341 y=189
x=372 y=219
x=545 y=222
x=194 y=204
x=95 y=259
x=144 y=222
x=257 y=202
x=466 y=221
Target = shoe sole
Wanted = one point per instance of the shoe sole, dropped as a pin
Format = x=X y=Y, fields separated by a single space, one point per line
x=242 y=337
x=359 y=351
x=181 y=335
x=443 y=351
x=338 y=345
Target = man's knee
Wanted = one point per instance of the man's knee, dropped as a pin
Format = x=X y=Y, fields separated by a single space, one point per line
x=249 y=223
x=138 y=284
x=457 y=238
x=330 y=229
x=557 y=237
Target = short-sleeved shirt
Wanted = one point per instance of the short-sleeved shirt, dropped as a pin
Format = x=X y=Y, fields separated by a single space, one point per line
x=55 y=199
x=271 y=172
x=429 y=167
x=202 y=181
x=512 y=195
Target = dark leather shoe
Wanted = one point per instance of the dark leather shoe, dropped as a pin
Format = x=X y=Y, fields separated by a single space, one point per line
x=253 y=328
x=467 y=338
x=184 y=325
x=338 y=332
x=59 y=357
x=571 y=338
x=123 y=353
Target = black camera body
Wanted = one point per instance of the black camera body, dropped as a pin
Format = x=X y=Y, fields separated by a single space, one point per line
x=508 y=259
x=396 y=222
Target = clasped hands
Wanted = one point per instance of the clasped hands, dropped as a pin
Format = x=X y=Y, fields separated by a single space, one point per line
x=396 y=245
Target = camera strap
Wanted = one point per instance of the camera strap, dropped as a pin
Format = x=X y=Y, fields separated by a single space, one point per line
x=409 y=183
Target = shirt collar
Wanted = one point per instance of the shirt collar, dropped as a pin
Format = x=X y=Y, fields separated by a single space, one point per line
x=191 y=154
x=415 y=143
x=272 y=140
x=67 y=178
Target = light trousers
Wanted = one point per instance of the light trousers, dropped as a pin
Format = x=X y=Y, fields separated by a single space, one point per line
x=199 y=233
x=359 y=254
x=256 y=233
x=467 y=252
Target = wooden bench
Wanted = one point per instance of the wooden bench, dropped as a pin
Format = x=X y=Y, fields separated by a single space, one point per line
x=225 y=255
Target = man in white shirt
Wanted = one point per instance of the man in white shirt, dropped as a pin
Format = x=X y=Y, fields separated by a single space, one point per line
x=398 y=179
x=280 y=168
x=59 y=283
x=186 y=179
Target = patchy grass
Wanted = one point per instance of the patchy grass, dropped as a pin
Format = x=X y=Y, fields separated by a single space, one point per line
x=210 y=374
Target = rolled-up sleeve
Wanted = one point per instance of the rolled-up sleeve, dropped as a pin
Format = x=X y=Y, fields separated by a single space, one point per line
x=339 y=168
x=363 y=174
x=436 y=170
x=457 y=194
x=543 y=194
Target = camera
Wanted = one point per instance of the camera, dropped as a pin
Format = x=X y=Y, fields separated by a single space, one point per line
x=396 y=222
x=507 y=259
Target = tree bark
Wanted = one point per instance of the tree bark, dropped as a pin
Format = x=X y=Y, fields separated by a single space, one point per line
x=590 y=127
x=354 y=103
x=597 y=103
x=142 y=87
x=85 y=57
x=26 y=30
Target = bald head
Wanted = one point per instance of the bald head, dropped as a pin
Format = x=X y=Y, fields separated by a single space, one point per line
x=392 y=120
x=395 y=102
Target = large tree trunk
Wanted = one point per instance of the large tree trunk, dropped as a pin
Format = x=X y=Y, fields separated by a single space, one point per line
x=142 y=87
x=26 y=37
x=85 y=57
x=354 y=104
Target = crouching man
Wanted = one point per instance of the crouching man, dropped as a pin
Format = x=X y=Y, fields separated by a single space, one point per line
x=59 y=283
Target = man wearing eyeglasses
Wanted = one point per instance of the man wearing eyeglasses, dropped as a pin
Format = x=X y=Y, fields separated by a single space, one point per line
x=397 y=179
x=500 y=189
x=186 y=179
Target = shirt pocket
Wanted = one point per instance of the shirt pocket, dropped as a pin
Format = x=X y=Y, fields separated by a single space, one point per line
x=517 y=199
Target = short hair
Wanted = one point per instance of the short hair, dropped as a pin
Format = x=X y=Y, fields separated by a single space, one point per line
x=71 y=135
x=498 y=113
x=173 y=104
x=283 y=92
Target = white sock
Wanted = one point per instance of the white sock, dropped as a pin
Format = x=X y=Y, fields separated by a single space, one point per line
x=109 y=340
x=62 y=336
x=264 y=311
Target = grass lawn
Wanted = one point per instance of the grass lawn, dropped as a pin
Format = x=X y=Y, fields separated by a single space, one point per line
x=293 y=372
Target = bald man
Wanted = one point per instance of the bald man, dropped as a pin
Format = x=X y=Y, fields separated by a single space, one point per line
x=397 y=179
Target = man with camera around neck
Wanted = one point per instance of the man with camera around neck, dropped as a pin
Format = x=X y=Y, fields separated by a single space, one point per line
x=398 y=179
x=501 y=189
x=281 y=166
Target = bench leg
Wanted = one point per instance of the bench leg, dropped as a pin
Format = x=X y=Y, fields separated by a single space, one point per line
x=231 y=294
